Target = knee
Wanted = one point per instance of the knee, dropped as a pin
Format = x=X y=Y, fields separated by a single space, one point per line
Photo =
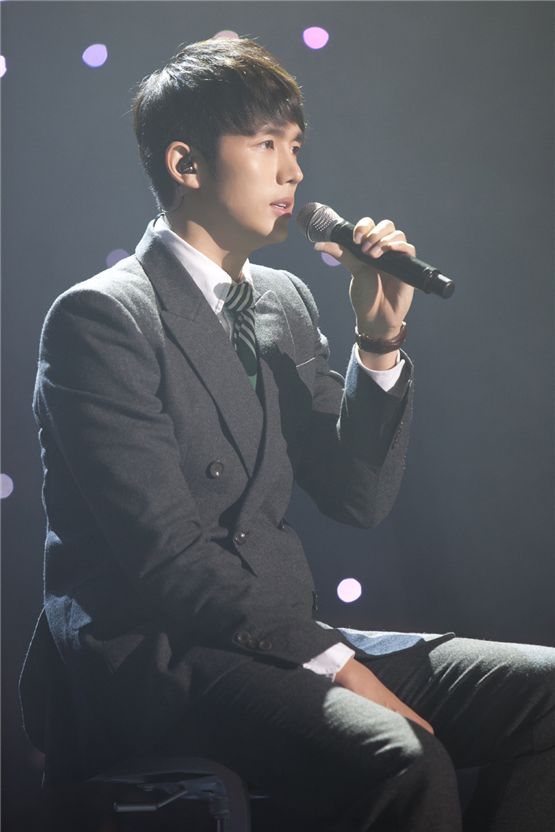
x=418 y=775
x=372 y=745
x=425 y=760
x=543 y=680
x=533 y=695
x=411 y=754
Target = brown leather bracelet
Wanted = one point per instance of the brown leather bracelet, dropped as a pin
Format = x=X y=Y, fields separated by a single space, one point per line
x=381 y=345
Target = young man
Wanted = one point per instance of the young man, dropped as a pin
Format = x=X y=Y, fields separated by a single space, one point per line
x=178 y=396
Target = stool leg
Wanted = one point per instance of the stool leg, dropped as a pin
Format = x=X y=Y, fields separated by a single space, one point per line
x=233 y=813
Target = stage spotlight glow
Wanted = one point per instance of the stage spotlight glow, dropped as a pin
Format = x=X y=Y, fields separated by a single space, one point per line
x=115 y=256
x=2 y=66
x=95 y=55
x=6 y=486
x=348 y=590
x=226 y=33
x=329 y=260
x=315 y=37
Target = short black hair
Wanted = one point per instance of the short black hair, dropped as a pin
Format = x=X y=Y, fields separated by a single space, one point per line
x=209 y=89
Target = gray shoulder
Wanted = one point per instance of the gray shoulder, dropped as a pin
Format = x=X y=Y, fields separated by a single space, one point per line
x=290 y=289
x=125 y=286
x=125 y=282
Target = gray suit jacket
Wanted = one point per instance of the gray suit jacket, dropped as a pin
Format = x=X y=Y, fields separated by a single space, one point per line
x=168 y=558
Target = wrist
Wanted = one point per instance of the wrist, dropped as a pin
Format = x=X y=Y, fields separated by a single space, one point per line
x=343 y=674
x=380 y=345
x=374 y=331
x=373 y=361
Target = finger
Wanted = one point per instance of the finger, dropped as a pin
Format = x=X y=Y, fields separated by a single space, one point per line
x=395 y=236
x=379 y=231
x=420 y=721
x=363 y=226
x=384 y=230
x=391 y=245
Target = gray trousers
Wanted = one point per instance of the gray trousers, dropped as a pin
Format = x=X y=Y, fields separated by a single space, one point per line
x=346 y=764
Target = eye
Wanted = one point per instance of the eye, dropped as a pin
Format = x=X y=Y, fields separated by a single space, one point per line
x=270 y=143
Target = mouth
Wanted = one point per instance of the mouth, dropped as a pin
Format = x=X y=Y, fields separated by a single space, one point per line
x=283 y=207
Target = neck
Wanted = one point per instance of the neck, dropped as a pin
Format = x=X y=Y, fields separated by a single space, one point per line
x=200 y=238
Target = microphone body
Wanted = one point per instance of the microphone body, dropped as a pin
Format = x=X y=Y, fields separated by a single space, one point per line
x=322 y=224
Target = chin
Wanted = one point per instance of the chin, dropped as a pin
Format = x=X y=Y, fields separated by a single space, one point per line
x=275 y=235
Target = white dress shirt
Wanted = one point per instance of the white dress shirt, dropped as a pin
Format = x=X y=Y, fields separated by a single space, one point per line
x=214 y=284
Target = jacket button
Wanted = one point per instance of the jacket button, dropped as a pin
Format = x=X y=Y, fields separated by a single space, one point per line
x=243 y=637
x=240 y=538
x=265 y=644
x=315 y=601
x=281 y=524
x=215 y=469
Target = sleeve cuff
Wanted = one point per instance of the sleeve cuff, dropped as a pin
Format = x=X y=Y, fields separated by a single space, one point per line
x=330 y=661
x=386 y=379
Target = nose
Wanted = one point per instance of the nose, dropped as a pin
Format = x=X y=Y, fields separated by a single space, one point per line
x=289 y=170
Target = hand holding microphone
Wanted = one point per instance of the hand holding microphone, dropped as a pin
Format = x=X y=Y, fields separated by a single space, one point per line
x=384 y=273
x=321 y=223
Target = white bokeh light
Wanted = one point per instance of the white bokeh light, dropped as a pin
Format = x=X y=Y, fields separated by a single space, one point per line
x=6 y=486
x=349 y=590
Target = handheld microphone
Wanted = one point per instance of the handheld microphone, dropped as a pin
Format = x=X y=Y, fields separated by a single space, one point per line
x=322 y=224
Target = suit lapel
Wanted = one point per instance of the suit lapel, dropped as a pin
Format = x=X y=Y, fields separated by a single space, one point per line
x=207 y=347
x=273 y=334
x=275 y=345
x=205 y=344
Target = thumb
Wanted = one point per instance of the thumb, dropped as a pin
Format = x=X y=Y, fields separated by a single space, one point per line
x=342 y=255
x=334 y=249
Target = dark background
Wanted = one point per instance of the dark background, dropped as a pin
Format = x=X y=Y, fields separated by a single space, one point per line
x=437 y=115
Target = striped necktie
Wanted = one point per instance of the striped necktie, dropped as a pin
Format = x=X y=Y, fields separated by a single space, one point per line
x=239 y=303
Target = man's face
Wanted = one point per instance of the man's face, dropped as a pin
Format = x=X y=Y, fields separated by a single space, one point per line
x=252 y=175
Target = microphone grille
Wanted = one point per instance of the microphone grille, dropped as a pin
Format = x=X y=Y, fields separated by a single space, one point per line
x=317 y=221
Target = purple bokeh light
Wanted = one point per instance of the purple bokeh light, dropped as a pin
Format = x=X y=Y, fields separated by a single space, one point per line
x=115 y=256
x=6 y=486
x=328 y=259
x=2 y=66
x=315 y=37
x=95 y=55
x=349 y=590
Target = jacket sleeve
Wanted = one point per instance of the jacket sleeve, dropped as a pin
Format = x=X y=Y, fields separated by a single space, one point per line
x=350 y=452
x=98 y=398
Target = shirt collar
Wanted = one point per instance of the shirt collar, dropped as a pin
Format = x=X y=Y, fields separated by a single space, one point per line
x=212 y=280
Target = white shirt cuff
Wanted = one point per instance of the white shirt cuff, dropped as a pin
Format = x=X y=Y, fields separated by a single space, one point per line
x=386 y=379
x=330 y=661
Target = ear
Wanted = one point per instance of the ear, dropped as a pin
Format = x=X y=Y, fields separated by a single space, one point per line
x=182 y=164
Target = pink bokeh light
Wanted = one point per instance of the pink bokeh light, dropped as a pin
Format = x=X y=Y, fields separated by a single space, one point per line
x=315 y=37
x=2 y=66
x=226 y=33
x=349 y=590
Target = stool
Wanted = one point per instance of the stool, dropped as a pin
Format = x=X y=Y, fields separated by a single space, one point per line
x=190 y=778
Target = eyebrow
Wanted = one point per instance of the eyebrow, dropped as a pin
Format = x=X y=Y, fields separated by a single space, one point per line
x=272 y=130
